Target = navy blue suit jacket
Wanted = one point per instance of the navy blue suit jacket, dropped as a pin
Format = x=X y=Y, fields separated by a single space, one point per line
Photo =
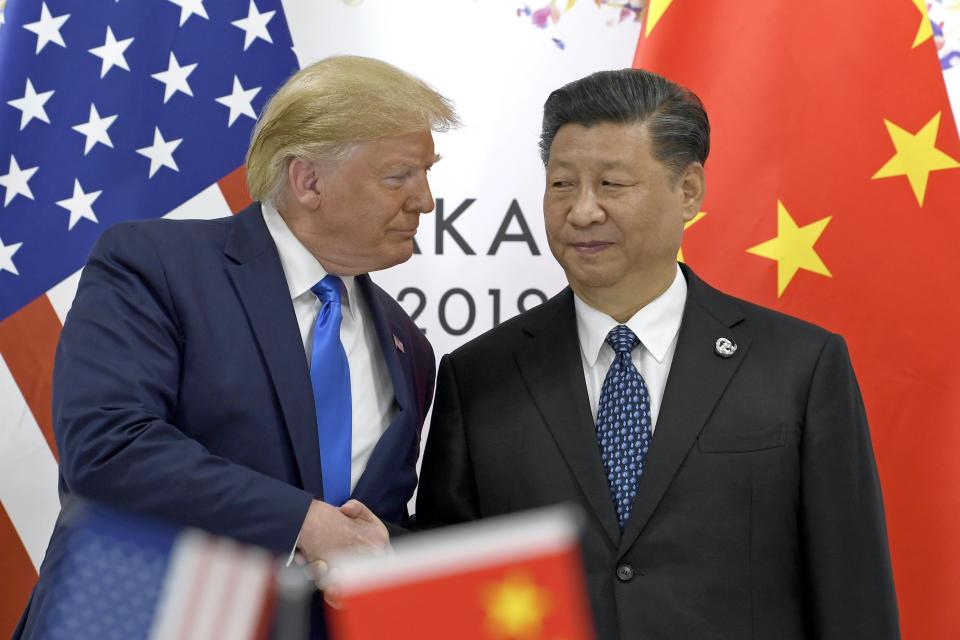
x=182 y=391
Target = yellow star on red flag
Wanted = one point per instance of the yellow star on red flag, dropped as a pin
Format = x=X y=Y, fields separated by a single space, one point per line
x=655 y=11
x=916 y=156
x=793 y=248
x=925 y=32
x=516 y=607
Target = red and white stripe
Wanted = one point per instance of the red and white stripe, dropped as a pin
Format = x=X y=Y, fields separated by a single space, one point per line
x=215 y=588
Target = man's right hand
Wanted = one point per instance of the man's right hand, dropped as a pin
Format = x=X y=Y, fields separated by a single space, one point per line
x=353 y=528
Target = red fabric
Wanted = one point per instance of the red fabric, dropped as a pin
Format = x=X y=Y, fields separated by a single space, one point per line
x=234 y=189
x=797 y=94
x=28 y=341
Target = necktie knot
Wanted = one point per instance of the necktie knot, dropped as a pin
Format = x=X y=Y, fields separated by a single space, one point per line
x=622 y=339
x=330 y=289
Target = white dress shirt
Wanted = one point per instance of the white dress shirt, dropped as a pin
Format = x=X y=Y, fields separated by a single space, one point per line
x=657 y=325
x=371 y=391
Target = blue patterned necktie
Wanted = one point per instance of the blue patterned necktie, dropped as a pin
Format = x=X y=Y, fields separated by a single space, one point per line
x=623 y=422
x=330 y=378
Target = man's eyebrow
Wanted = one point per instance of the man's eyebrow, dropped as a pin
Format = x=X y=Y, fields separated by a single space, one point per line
x=606 y=164
x=613 y=164
x=561 y=164
x=411 y=164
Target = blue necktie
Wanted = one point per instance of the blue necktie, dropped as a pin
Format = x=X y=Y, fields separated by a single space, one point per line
x=623 y=422
x=330 y=377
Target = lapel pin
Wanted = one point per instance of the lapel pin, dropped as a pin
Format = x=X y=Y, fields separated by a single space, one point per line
x=399 y=345
x=725 y=347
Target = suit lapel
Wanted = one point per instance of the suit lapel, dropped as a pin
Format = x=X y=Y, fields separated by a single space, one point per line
x=698 y=377
x=258 y=277
x=387 y=336
x=552 y=370
x=388 y=454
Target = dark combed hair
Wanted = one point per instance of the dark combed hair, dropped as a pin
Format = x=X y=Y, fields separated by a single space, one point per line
x=675 y=117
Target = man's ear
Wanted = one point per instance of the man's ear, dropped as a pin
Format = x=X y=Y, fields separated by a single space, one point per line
x=693 y=188
x=303 y=178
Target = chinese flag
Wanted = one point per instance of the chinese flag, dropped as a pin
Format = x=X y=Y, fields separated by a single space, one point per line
x=512 y=578
x=833 y=194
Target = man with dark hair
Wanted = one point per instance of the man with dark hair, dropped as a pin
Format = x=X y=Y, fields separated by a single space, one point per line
x=719 y=450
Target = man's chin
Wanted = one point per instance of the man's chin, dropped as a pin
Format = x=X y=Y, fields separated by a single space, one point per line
x=398 y=253
x=591 y=278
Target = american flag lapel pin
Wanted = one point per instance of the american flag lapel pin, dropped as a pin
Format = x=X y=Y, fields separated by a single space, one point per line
x=398 y=344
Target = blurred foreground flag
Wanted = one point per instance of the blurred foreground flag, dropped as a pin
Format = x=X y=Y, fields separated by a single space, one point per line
x=833 y=194
x=122 y=577
x=511 y=577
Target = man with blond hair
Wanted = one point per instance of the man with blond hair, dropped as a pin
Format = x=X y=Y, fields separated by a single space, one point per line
x=244 y=375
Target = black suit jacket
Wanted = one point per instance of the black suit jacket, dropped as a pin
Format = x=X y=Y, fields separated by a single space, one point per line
x=759 y=514
x=181 y=390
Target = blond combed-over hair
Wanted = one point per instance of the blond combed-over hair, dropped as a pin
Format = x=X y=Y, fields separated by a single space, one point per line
x=327 y=106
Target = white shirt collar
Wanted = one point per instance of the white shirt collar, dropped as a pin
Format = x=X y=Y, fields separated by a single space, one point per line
x=656 y=324
x=300 y=268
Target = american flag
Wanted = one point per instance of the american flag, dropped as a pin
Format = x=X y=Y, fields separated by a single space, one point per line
x=110 y=110
x=126 y=578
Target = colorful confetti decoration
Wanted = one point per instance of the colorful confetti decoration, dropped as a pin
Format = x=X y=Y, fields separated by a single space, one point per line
x=945 y=18
x=550 y=13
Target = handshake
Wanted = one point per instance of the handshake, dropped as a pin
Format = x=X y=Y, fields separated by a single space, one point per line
x=328 y=531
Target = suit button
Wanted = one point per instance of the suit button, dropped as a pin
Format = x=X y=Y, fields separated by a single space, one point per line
x=625 y=573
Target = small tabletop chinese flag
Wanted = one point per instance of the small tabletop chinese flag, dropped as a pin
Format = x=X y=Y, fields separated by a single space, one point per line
x=515 y=577
x=833 y=194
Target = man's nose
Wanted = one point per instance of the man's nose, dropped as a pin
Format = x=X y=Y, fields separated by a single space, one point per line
x=421 y=201
x=585 y=209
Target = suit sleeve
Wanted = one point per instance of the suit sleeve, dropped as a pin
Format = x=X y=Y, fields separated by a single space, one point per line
x=115 y=392
x=849 y=578
x=448 y=490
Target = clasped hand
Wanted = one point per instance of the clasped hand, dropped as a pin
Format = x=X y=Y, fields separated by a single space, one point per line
x=329 y=531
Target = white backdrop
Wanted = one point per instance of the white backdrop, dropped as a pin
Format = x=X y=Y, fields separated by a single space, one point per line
x=498 y=68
